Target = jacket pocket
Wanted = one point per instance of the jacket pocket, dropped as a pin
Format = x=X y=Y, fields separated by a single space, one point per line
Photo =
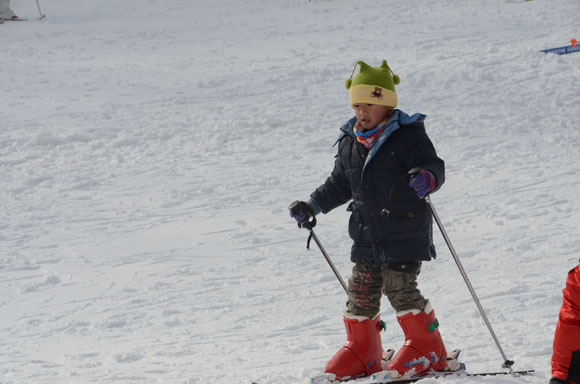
x=355 y=223
x=408 y=220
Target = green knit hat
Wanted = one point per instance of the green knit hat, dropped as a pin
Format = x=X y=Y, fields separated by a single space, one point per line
x=373 y=85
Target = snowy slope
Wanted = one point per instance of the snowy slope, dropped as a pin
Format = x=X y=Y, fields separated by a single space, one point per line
x=149 y=149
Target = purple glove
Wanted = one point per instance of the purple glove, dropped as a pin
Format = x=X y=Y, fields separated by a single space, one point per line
x=422 y=182
x=301 y=212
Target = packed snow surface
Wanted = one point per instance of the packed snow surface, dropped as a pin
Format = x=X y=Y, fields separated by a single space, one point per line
x=149 y=151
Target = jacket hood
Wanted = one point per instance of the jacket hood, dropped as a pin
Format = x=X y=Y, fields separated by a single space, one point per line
x=398 y=119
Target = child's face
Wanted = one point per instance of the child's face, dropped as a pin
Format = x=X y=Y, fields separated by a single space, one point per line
x=370 y=115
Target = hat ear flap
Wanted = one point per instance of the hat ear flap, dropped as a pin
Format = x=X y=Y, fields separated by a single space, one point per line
x=348 y=82
x=396 y=78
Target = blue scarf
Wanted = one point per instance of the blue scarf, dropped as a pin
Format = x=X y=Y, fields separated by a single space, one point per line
x=368 y=138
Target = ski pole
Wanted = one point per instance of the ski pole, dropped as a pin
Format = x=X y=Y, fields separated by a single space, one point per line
x=309 y=224
x=507 y=363
x=39 y=10
x=336 y=273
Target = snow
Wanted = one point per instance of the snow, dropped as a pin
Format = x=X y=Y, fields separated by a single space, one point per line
x=149 y=150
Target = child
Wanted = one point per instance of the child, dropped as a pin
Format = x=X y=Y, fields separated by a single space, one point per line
x=566 y=356
x=376 y=150
x=5 y=11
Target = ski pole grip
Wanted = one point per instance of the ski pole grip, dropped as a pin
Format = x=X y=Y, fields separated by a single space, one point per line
x=310 y=223
x=414 y=171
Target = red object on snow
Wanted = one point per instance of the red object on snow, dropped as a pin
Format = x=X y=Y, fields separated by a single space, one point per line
x=423 y=349
x=362 y=353
x=573 y=42
x=566 y=357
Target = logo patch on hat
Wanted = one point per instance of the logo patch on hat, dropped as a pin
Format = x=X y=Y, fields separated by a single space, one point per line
x=378 y=93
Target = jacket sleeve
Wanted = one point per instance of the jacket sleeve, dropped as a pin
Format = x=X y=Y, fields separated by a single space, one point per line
x=418 y=152
x=566 y=357
x=336 y=189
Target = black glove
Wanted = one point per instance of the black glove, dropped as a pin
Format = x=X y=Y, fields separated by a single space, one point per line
x=302 y=213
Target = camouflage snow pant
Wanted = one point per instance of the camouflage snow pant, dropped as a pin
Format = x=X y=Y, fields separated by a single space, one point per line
x=397 y=281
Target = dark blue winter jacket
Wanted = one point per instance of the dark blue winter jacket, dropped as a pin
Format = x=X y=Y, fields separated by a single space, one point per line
x=384 y=231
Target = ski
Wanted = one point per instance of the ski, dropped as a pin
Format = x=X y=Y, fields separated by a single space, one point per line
x=22 y=19
x=385 y=376
x=406 y=380
x=454 y=367
x=377 y=378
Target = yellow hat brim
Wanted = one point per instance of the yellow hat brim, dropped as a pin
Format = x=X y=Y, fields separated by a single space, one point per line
x=371 y=94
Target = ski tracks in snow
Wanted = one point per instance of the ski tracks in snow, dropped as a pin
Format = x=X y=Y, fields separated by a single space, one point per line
x=147 y=163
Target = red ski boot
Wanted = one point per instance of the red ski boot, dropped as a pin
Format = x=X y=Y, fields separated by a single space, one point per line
x=362 y=353
x=423 y=349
